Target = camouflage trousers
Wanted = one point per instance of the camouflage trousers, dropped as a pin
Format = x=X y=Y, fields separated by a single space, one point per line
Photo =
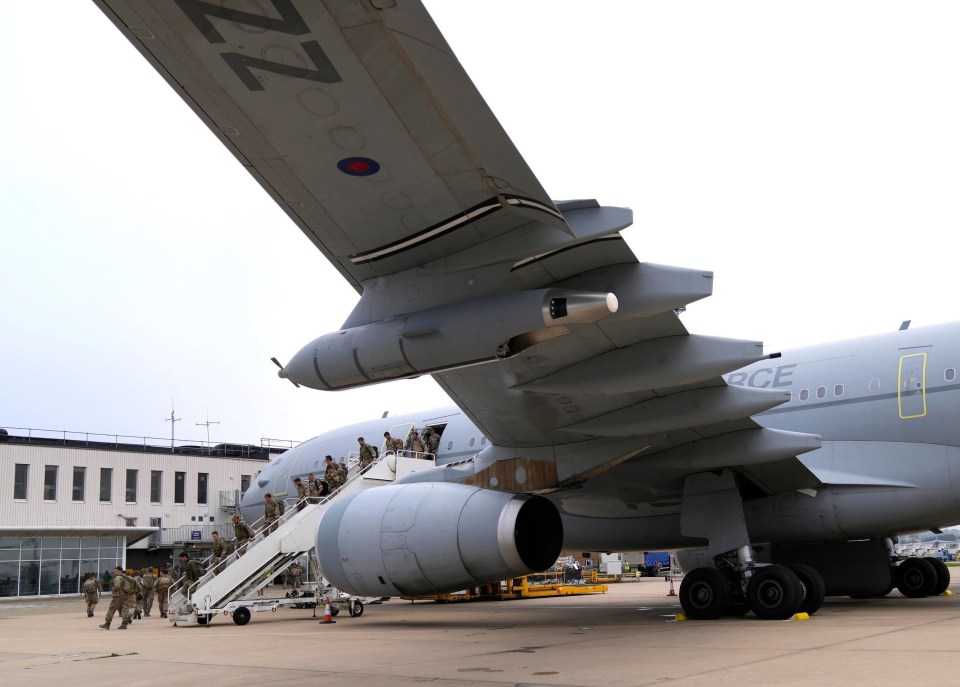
x=148 y=595
x=162 y=600
x=91 y=600
x=121 y=605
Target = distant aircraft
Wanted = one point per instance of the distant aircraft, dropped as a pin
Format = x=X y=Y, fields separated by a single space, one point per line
x=589 y=418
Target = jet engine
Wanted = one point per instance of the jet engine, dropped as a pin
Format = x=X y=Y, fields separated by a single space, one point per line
x=430 y=538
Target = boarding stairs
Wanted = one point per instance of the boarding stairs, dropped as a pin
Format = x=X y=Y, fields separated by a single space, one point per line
x=269 y=553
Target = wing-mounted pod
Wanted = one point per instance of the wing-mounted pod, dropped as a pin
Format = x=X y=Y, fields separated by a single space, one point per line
x=431 y=538
x=443 y=338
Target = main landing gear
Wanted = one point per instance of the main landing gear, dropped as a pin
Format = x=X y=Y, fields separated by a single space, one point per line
x=771 y=592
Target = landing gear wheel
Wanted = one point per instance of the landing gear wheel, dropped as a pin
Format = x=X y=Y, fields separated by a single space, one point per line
x=943 y=575
x=241 y=616
x=916 y=578
x=813 y=588
x=356 y=609
x=705 y=594
x=774 y=593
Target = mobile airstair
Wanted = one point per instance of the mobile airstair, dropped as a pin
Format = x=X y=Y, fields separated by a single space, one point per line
x=228 y=585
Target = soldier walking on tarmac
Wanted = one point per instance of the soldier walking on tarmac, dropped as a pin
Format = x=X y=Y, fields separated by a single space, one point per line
x=124 y=591
x=92 y=589
x=164 y=582
x=149 y=590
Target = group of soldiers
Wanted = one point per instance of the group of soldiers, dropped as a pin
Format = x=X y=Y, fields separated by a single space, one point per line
x=427 y=441
x=132 y=594
x=293 y=576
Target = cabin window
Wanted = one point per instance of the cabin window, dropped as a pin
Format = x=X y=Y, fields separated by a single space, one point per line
x=483 y=441
x=874 y=385
x=838 y=390
x=949 y=374
x=821 y=391
x=473 y=440
x=449 y=445
x=804 y=394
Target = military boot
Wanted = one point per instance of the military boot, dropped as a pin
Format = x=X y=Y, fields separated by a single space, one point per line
x=136 y=616
x=123 y=625
x=89 y=614
x=106 y=626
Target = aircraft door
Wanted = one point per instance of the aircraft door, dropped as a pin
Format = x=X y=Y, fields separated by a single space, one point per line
x=281 y=484
x=911 y=389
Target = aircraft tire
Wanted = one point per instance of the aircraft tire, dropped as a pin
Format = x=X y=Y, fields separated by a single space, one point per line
x=916 y=578
x=943 y=575
x=813 y=587
x=774 y=593
x=241 y=616
x=356 y=609
x=705 y=594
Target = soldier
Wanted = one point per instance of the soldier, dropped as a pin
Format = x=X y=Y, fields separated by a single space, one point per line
x=331 y=477
x=341 y=471
x=138 y=596
x=92 y=589
x=124 y=589
x=221 y=549
x=314 y=489
x=391 y=444
x=301 y=493
x=192 y=571
x=149 y=590
x=271 y=513
x=242 y=532
x=296 y=576
x=164 y=581
x=433 y=441
x=368 y=454
x=416 y=443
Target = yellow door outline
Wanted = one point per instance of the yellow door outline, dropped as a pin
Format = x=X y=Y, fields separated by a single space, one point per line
x=909 y=384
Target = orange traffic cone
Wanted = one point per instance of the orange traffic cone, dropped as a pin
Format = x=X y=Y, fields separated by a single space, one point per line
x=671 y=592
x=327 y=613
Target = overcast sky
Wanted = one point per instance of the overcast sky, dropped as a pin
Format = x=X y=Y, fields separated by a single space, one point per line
x=806 y=152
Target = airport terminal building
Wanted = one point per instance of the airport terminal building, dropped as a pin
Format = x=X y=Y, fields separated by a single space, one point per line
x=74 y=502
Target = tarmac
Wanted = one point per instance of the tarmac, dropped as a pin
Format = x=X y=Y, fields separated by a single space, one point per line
x=628 y=636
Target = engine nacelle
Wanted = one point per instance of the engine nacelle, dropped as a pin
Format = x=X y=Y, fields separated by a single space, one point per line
x=431 y=538
x=441 y=338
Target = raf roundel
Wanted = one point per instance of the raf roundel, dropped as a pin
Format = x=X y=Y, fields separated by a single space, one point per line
x=358 y=166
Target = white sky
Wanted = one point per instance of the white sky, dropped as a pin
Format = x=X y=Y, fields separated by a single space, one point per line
x=806 y=152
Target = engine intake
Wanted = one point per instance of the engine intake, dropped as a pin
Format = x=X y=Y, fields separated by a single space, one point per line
x=431 y=538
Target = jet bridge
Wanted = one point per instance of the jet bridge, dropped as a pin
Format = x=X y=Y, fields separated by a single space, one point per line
x=269 y=553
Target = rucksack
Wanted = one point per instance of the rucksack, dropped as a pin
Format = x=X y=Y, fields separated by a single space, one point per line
x=283 y=506
x=127 y=585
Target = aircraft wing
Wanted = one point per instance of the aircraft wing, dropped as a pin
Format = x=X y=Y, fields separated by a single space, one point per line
x=357 y=118
x=359 y=122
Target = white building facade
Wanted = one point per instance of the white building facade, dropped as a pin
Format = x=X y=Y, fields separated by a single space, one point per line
x=73 y=505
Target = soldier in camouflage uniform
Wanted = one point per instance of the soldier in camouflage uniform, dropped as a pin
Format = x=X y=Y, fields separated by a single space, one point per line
x=138 y=597
x=391 y=444
x=433 y=441
x=124 y=589
x=271 y=513
x=92 y=588
x=368 y=454
x=149 y=590
x=301 y=493
x=164 y=582
x=296 y=576
x=221 y=549
x=242 y=532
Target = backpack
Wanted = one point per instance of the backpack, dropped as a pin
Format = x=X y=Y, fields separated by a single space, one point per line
x=283 y=506
x=127 y=585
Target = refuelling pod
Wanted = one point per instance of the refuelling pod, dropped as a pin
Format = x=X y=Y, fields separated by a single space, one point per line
x=432 y=538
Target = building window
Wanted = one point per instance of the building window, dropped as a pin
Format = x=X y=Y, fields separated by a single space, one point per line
x=201 y=487
x=156 y=483
x=49 y=482
x=244 y=483
x=131 y=491
x=20 y=481
x=179 y=482
x=106 y=484
x=79 y=483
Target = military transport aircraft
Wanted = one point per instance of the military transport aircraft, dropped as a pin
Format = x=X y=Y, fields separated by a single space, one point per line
x=588 y=417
